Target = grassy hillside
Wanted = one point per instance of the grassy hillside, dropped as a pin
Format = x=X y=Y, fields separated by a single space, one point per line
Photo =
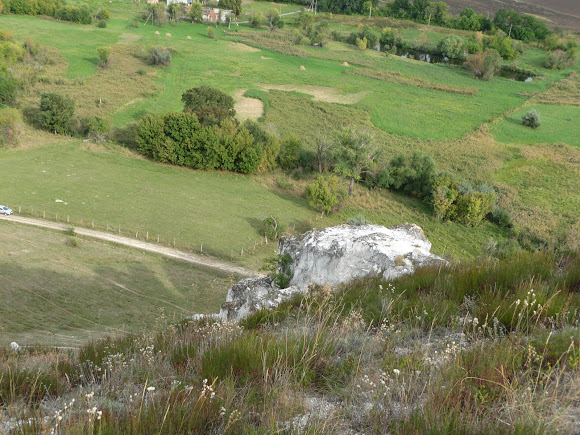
x=491 y=347
x=61 y=290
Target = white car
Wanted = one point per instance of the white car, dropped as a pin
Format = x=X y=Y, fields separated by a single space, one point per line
x=5 y=210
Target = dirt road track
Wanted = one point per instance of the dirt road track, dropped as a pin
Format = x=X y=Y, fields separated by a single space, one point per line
x=138 y=244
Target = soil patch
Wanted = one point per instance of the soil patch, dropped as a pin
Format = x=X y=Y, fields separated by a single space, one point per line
x=247 y=108
x=320 y=93
x=243 y=47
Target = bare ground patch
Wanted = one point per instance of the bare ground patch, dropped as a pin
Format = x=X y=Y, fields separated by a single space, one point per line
x=128 y=38
x=320 y=93
x=247 y=108
x=243 y=47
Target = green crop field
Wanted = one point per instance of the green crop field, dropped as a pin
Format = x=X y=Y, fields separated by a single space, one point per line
x=57 y=294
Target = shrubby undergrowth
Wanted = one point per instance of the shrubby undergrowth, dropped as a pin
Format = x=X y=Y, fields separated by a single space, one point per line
x=470 y=348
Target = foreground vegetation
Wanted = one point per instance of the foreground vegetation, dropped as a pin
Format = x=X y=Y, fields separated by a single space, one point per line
x=484 y=347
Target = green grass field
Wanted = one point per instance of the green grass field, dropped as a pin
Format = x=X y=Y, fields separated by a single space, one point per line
x=558 y=124
x=56 y=294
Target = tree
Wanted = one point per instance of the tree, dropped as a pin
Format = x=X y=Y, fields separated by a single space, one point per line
x=104 y=55
x=289 y=157
x=196 y=12
x=323 y=148
x=200 y=99
x=368 y=6
x=157 y=13
x=354 y=153
x=234 y=5
x=56 y=113
x=9 y=88
x=257 y=19
x=176 y=11
x=272 y=17
x=451 y=46
x=484 y=65
x=324 y=194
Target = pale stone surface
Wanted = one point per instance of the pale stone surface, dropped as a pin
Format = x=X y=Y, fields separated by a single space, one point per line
x=331 y=257
x=341 y=254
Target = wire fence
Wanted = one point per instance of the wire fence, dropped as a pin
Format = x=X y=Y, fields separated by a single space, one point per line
x=144 y=235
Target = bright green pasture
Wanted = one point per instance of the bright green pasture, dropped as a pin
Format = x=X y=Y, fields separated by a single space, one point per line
x=56 y=294
x=401 y=109
x=220 y=210
x=558 y=124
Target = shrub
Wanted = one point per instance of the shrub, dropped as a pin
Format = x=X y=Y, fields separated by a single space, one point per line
x=415 y=177
x=451 y=46
x=289 y=157
x=159 y=56
x=257 y=19
x=11 y=52
x=484 y=65
x=103 y=15
x=10 y=124
x=358 y=220
x=102 y=24
x=271 y=229
x=96 y=129
x=501 y=217
x=531 y=119
x=56 y=113
x=558 y=59
x=361 y=43
x=104 y=55
x=211 y=32
x=324 y=194
x=8 y=90
x=195 y=98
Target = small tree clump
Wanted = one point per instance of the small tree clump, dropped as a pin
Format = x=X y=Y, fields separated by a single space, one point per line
x=324 y=194
x=96 y=129
x=104 y=56
x=196 y=12
x=484 y=65
x=56 y=113
x=271 y=229
x=361 y=43
x=257 y=19
x=531 y=119
x=558 y=59
x=451 y=46
x=289 y=157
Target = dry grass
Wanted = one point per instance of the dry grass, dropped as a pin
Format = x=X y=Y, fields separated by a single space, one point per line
x=564 y=92
x=107 y=92
x=243 y=48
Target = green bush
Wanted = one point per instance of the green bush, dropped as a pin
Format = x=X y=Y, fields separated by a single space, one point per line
x=160 y=56
x=358 y=220
x=211 y=32
x=271 y=229
x=104 y=55
x=289 y=157
x=9 y=89
x=451 y=46
x=324 y=194
x=501 y=217
x=531 y=119
x=56 y=113
x=258 y=19
x=414 y=177
x=558 y=59
x=102 y=24
x=97 y=129
x=484 y=65
x=199 y=99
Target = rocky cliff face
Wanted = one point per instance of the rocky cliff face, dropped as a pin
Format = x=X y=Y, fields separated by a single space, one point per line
x=334 y=256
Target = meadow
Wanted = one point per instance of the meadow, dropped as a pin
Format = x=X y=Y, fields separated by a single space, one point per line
x=62 y=290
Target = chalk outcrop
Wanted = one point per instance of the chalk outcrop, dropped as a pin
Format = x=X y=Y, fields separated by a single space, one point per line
x=331 y=257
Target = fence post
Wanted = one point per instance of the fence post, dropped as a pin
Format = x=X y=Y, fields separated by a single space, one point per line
x=56 y=217
x=147 y=235
x=119 y=229
x=67 y=218
x=44 y=214
x=137 y=234
x=107 y=227
x=93 y=224
x=157 y=238
x=201 y=248
x=174 y=242
x=19 y=210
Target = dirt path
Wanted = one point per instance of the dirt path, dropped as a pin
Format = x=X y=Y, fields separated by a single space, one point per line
x=138 y=244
